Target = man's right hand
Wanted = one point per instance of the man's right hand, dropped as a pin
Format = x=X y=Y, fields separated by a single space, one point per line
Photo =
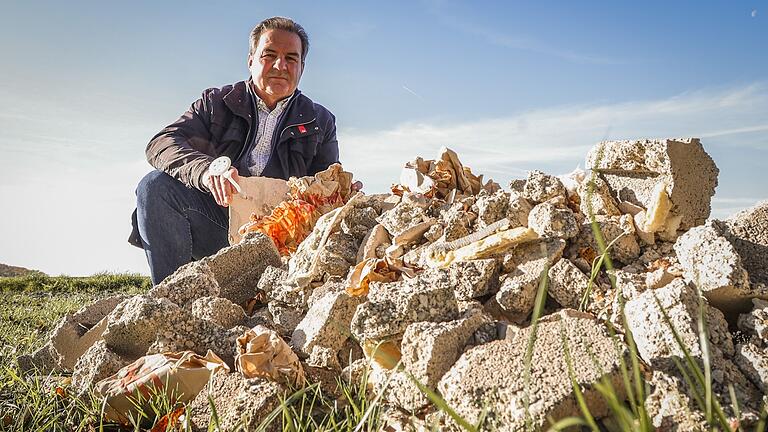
x=220 y=186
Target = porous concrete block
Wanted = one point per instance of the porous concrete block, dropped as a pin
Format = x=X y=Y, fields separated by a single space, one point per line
x=430 y=349
x=755 y=322
x=489 y=377
x=238 y=268
x=285 y=317
x=748 y=232
x=219 y=311
x=540 y=187
x=550 y=221
x=142 y=324
x=471 y=279
x=596 y=198
x=711 y=262
x=670 y=407
x=271 y=279
x=241 y=403
x=401 y=391
x=97 y=363
x=527 y=264
x=656 y=342
x=633 y=168
x=490 y=207
x=618 y=230
x=75 y=333
x=752 y=360
x=43 y=361
x=391 y=307
x=326 y=323
x=567 y=284
x=187 y=284
x=324 y=358
x=406 y=214
x=518 y=210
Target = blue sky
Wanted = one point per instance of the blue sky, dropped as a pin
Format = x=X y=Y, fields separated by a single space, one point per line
x=511 y=86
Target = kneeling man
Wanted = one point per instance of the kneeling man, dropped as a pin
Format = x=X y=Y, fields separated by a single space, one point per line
x=264 y=125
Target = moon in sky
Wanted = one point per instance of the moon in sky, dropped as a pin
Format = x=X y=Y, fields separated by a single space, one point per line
x=754 y=13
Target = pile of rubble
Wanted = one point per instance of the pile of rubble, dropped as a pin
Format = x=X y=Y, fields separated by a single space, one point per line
x=436 y=283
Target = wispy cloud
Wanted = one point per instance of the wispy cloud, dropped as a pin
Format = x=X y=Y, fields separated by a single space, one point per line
x=528 y=42
x=557 y=139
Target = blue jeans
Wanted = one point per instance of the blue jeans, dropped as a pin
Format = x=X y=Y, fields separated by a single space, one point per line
x=177 y=224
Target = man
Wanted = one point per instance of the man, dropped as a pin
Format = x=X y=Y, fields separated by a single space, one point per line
x=264 y=125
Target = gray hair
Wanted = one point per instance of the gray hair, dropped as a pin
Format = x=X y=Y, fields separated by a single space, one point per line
x=280 y=23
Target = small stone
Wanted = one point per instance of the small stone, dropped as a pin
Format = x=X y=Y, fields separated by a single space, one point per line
x=567 y=284
x=219 y=311
x=326 y=323
x=550 y=221
x=540 y=187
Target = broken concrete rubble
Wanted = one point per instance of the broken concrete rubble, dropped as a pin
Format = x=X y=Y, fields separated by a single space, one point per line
x=391 y=307
x=463 y=264
x=550 y=221
x=238 y=268
x=470 y=389
x=711 y=262
x=633 y=168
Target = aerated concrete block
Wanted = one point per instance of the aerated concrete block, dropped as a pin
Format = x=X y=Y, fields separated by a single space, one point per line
x=489 y=377
x=633 y=168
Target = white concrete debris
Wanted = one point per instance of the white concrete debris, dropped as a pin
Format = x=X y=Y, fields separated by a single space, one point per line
x=458 y=320
x=633 y=168
x=490 y=376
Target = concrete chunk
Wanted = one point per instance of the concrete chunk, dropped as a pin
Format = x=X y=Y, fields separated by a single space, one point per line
x=540 y=187
x=238 y=268
x=490 y=207
x=430 y=349
x=550 y=221
x=755 y=323
x=567 y=284
x=518 y=210
x=711 y=262
x=187 y=284
x=241 y=404
x=748 y=233
x=326 y=323
x=599 y=201
x=77 y=332
x=633 y=168
x=469 y=387
x=473 y=278
x=97 y=363
x=219 y=311
x=655 y=340
x=617 y=230
x=142 y=324
x=527 y=264
x=391 y=307
x=271 y=279
x=753 y=362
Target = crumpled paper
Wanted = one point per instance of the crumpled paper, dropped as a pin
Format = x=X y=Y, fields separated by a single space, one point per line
x=264 y=354
x=180 y=376
x=291 y=221
x=367 y=271
x=444 y=178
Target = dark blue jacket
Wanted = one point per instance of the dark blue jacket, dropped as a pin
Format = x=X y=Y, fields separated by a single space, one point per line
x=219 y=123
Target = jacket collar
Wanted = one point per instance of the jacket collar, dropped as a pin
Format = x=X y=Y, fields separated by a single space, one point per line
x=300 y=108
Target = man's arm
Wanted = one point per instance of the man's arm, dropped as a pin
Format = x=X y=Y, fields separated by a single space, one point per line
x=328 y=148
x=175 y=149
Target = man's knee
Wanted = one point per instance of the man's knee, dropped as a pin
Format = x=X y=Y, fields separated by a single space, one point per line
x=155 y=184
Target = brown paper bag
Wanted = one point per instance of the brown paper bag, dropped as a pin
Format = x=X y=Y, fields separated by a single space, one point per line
x=181 y=376
x=263 y=353
x=259 y=195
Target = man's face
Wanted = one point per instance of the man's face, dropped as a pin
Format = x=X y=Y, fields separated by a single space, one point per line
x=276 y=65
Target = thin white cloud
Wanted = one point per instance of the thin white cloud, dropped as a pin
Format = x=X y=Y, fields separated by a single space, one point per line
x=559 y=138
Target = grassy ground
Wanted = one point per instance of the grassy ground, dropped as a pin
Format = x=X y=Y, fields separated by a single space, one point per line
x=31 y=307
